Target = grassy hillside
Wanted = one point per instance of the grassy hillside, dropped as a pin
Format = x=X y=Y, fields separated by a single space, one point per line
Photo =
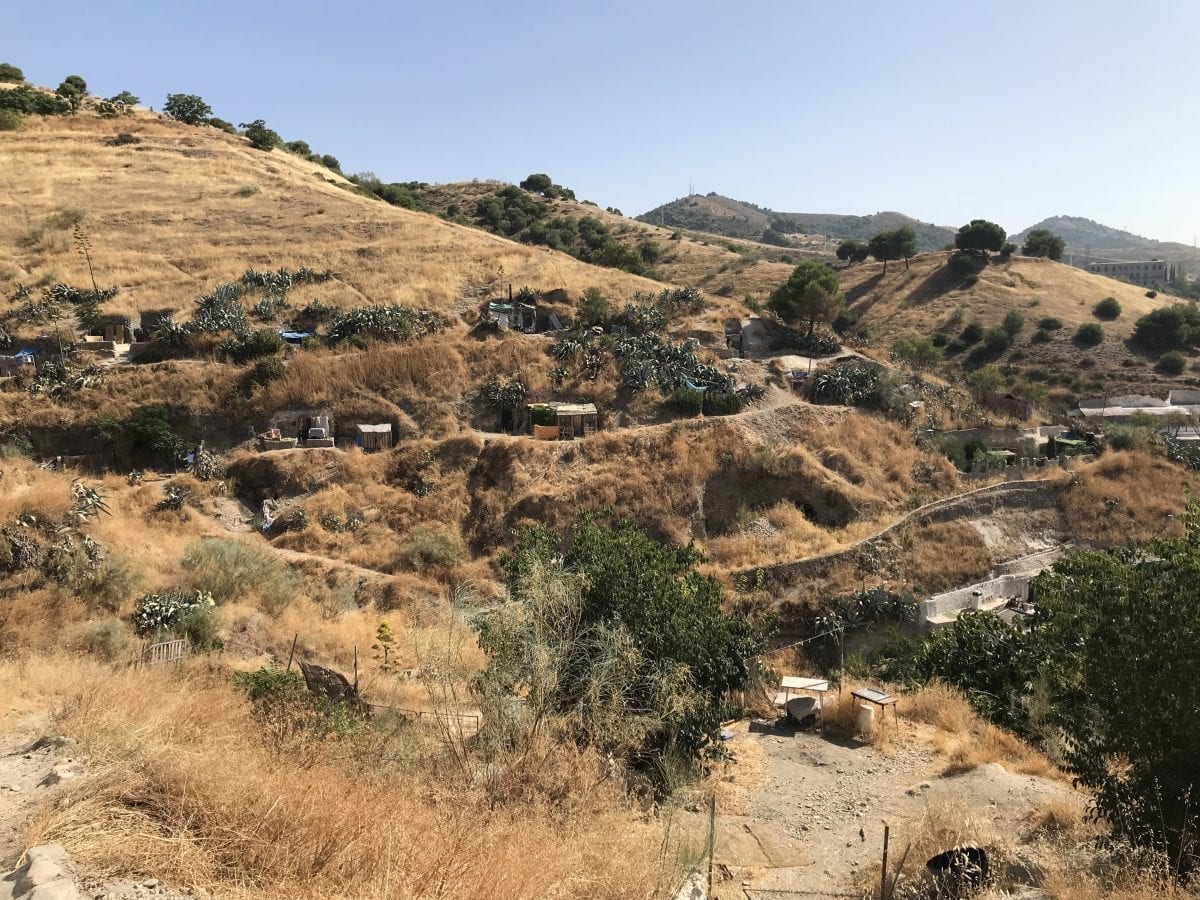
x=928 y=298
x=720 y=215
x=719 y=266
x=185 y=208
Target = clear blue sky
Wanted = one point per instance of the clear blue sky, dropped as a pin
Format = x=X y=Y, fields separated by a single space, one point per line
x=943 y=110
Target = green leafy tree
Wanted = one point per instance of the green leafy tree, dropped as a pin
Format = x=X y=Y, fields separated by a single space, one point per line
x=979 y=236
x=260 y=136
x=538 y=183
x=126 y=97
x=1168 y=328
x=1041 y=242
x=853 y=251
x=898 y=243
x=810 y=294
x=300 y=148
x=77 y=82
x=633 y=634
x=11 y=74
x=983 y=656
x=1118 y=639
x=71 y=93
x=331 y=162
x=187 y=108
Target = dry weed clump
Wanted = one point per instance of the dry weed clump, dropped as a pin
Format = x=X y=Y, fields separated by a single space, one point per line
x=966 y=740
x=1127 y=497
x=1060 y=818
x=181 y=782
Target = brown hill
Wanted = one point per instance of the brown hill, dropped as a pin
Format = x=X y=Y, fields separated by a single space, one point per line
x=927 y=298
x=185 y=208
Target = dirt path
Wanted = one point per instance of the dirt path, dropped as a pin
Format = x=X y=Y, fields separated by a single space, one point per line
x=809 y=819
x=31 y=770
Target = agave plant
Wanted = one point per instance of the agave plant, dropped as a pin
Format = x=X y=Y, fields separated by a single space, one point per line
x=87 y=502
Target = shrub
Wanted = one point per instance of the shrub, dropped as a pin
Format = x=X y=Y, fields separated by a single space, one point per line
x=227 y=571
x=221 y=125
x=32 y=101
x=77 y=82
x=187 y=108
x=249 y=189
x=11 y=74
x=123 y=139
x=963 y=263
x=426 y=548
x=260 y=136
x=1152 y=294
x=1168 y=328
x=972 y=333
x=687 y=402
x=1041 y=336
x=10 y=120
x=1171 y=363
x=1050 y=324
x=1090 y=334
x=266 y=370
x=996 y=340
x=107 y=639
x=331 y=162
x=1013 y=323
x=165 y=610
x=593 y=307
x=1107 y=309
x=918 y=352
x=125 y=98
x=384 y=323
x=263 y=342
x=1008 y=249
x=718 y=403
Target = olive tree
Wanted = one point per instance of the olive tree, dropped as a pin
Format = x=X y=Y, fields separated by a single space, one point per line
x=810 y=294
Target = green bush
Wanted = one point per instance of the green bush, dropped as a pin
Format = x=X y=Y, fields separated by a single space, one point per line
x=10 y=120
x=1172 y=363
x=996 y=340
x=972 y=333
x=1050 y=324
x=108 y=639
x=1013 y=323
x=263 y=342
x=11 y=74
x=1041 y=336
x=165 y=610
x=1090 y=334
x=1170 y=328
x=77 y=82
x=187 y=108
x=228 y=571
x=32 y=101
x=1107 y=309
x=918 y=352
x=687 y=402
x=963 y=263
x=593 y=307
x=260 y=136
x=718 y=403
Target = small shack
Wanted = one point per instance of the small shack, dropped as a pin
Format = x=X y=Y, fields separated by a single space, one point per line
x=308 y=426
x=22 y=363
x=374 y=437
x=515 y=316
x=111 y=329
x=563 y=421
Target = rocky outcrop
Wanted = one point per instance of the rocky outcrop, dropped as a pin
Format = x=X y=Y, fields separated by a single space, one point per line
x=46 y=874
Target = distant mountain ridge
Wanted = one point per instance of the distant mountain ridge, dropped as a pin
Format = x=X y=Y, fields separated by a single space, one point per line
x=716 y=214
x=1086 y=238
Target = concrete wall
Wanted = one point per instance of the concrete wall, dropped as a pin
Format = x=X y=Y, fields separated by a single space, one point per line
x=975 y=596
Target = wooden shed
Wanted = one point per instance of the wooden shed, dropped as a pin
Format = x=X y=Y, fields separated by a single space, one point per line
x=563 y=421
x=374 y=436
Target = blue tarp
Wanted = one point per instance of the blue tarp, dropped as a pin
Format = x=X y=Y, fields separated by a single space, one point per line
x=695 y=387
x=295 y=335
x=26 y=353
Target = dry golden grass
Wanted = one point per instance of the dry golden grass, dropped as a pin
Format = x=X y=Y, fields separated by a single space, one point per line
x=967 y=741
x=182 y=783
x=925 y=297
x=1061 y=818
x=1127 y=497
x=166 y=223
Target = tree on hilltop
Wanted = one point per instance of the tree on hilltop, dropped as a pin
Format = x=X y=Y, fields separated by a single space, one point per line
x=11 y=74
x=537 y=183
x=853 y=251
x=77 y=82
x=811 y=293
x=979 y=236
x=1041 y=242
x=260 y=136
x=897 y=243
x=187 y=108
